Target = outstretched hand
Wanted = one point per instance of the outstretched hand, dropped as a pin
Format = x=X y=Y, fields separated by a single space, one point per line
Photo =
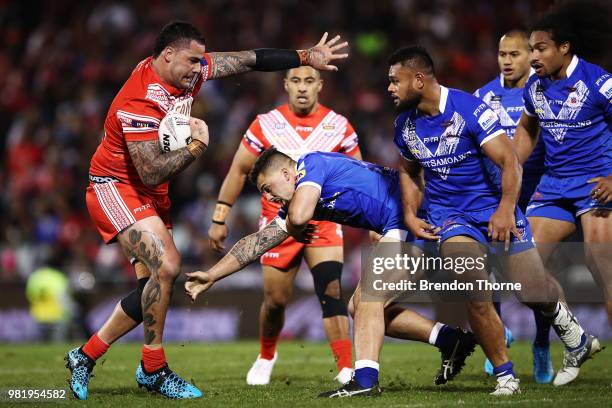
x=320 y=56
x=197 y=282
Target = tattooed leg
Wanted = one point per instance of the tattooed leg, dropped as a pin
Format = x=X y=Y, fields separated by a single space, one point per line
x=149 y=241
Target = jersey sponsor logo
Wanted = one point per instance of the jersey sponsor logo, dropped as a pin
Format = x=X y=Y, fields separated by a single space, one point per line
x=274 y=255
x=606 y=89
x=303 y=129
x=487 y=120
x=558 y=124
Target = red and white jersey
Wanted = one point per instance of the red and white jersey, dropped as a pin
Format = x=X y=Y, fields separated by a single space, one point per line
x=323 y=130
x=134 y=115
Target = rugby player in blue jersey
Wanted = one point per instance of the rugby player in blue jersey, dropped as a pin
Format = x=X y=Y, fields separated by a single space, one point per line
x=568 y=104
x=504 y=95
x=335 y=187
x=449 y=134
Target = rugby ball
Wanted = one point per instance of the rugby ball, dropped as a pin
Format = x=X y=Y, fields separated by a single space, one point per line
x=174 y=132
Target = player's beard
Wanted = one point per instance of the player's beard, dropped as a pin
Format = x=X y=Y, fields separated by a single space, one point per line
x=407 y=104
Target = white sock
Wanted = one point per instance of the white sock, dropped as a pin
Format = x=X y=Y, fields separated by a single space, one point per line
x=433 y=336
x=367 y=363
x=567 y=327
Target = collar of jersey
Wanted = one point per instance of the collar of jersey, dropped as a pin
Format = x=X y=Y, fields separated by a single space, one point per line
x=572 y=66
x=443 y=98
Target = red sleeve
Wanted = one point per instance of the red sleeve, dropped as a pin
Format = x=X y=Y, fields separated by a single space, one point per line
x=139 y=120
x=254 y=139
x=350 y=143
x=205 y=73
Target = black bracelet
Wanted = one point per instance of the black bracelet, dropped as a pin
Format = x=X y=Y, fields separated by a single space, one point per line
x=218 y=222
x=224 y=203
x=275 y=59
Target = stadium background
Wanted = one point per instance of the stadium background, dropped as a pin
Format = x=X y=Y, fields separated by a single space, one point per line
x=61 y=63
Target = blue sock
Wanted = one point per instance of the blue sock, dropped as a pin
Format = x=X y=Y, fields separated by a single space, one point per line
x=447 y=337
x=504 y=369
x=366 y=376
x=543 y=325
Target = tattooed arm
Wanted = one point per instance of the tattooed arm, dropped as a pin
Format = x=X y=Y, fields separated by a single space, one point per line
x=231 y=63
x=246 y=251
x=320 y=56
x=155 y=167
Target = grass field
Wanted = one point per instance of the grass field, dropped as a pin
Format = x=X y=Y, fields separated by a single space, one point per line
x=302 y=371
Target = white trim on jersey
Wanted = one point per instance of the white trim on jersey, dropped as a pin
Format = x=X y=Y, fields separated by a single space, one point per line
x=443 y=98
x=492 y=136
x=129 y=116
x=399 y=234
x=309 y=183
x=572 y=66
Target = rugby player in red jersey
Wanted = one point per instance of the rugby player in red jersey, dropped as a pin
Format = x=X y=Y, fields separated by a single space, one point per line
x=127 y=197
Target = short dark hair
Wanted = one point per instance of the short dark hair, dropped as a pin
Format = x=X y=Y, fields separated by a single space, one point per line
x=176 y=33
x=266 y=160
x=581 y=23
x=413 y=56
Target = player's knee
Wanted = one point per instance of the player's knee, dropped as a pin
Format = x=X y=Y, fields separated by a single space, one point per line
x=170 y=267
x=326 y=276
x=276 y=300
x=131 y=305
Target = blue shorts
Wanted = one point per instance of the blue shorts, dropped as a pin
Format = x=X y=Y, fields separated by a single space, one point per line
x=474 y=224
x=564 y=198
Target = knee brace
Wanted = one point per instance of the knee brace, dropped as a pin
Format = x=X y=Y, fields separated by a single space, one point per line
x=131 y=303
x=323 y=274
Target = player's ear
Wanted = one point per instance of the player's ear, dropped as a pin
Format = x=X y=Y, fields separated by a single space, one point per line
x=319 y=85
x=286 y=84
x=168 y=54
x=419 y=80
x=564 y=48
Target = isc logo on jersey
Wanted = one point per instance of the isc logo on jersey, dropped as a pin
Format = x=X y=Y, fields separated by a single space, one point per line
x=174 y=132
x=606 y=89
x=487 y=119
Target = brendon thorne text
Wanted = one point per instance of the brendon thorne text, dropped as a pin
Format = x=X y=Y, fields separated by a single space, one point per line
x=452 y=286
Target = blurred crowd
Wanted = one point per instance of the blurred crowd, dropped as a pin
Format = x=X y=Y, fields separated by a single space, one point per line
x=61 y=63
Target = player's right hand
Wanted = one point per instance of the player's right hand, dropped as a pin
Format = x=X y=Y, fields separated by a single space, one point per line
x=422 y=229
x=199 y=130
x=321 y=55
x=216 y=235
x=198 y=282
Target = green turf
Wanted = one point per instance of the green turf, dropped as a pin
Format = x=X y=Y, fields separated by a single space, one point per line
x=303 y=370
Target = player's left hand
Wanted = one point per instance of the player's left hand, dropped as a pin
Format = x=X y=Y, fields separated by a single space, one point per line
x=320 y=56
x=502 y=225
x=198 y=282
x=602 y=191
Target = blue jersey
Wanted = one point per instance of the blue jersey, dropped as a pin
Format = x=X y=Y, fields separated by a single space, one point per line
x=353 y=193
x=574 y=115
x=449 y=148
x=508 y=104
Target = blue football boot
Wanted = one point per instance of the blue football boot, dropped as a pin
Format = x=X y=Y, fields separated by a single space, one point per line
x=80 y=366
x=166 y=382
